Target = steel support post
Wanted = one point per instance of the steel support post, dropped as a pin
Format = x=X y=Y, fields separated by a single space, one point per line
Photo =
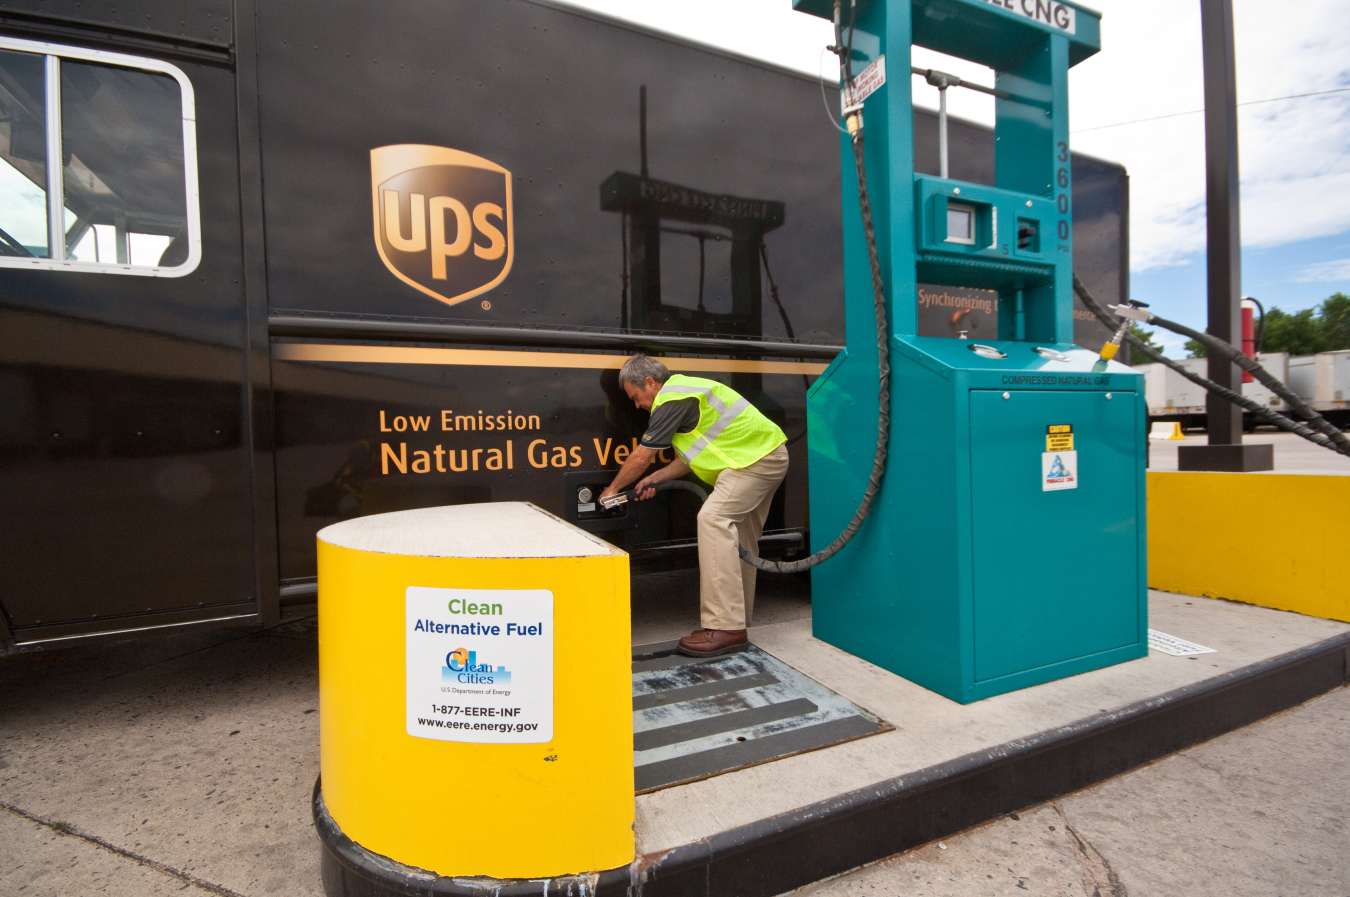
x=1224 y=249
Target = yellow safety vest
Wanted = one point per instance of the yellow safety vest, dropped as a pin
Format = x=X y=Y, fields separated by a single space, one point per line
x=731 y=433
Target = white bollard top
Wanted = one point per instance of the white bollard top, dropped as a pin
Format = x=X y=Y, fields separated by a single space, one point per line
x=507 y=529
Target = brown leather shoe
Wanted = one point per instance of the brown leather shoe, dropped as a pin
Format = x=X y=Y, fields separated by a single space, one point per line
x=711 y=642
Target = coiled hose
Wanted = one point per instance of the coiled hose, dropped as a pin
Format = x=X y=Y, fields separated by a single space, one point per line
x=884 y=403
x=1317 y=429
x=855 y=130
x=884 y=395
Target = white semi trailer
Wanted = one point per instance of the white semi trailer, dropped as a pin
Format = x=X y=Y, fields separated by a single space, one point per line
x=1277 y=363
x=1171 y=396
x=1322 y=380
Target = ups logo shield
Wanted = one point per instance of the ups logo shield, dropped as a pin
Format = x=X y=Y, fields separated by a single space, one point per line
x=442 y=219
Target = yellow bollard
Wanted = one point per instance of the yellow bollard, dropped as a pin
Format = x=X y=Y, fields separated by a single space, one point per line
x=475 y=691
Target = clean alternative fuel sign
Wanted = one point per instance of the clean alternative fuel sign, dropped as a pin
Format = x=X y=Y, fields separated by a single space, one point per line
x=480 y=665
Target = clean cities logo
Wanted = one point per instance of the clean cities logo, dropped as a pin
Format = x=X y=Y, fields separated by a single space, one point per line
x=462 y=668
x=490 y=632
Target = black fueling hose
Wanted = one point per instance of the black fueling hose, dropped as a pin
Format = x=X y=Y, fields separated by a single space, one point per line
x=1317 y=430
x=683 y=485
x=855 y=129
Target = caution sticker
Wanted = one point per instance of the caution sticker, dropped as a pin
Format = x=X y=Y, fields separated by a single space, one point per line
x=1059 y=470
x=1059 y=438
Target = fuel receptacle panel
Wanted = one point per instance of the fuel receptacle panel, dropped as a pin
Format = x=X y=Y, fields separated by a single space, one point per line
x=581 y=503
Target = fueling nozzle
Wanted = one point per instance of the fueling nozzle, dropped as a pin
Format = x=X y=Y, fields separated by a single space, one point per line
x=854 y=120
x=852 y=111
x=1128 y=312
x=611 y=502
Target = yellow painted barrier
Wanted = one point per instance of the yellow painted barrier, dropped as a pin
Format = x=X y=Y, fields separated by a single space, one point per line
x=475 y=691
x=1289 y=548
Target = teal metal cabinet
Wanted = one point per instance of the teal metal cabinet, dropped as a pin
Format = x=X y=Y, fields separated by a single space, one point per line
x=970 y=577
x=1057 y=538
x=996 y=555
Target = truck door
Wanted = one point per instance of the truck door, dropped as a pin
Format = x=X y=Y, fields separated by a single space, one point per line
x=124 y=467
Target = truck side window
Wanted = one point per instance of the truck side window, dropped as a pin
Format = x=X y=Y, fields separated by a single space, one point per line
x=123 y=129
x=23 y=151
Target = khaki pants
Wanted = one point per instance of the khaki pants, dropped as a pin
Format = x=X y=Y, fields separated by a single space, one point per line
x=734 y=514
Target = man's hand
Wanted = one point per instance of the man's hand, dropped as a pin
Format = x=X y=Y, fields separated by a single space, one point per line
x=638 y=462
x=641 y=492
x=635 y=466
x=672 y=471
x=644 y=488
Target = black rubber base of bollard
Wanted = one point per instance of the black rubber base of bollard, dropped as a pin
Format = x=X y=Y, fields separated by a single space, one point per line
x=349 y=870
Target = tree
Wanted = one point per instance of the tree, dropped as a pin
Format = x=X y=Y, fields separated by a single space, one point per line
x=1144 y=336
x=1335 y=315
x=1324 y=328
x=1297 y=334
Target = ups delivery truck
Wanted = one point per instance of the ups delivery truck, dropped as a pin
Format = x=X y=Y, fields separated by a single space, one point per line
x=267 y=266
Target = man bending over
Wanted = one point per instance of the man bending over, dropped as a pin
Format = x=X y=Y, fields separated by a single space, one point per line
x=728 y=443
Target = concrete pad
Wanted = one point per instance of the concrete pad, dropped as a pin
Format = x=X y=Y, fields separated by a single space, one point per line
x=930 y=729
x=1262 y=810
x=36 y=861
x=665 y=605
x=199 y=749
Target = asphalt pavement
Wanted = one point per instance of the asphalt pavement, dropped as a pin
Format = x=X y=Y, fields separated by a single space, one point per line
x=1261 y=811
x=177 y=764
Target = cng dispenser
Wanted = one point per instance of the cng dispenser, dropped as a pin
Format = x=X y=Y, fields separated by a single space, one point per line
x=1005 y=546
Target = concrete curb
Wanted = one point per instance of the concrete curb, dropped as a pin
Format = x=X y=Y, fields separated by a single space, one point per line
x=783 y=852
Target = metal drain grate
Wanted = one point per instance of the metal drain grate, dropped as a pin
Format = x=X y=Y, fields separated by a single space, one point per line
x=694 y=718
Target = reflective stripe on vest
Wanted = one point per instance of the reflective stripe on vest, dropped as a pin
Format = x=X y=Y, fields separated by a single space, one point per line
x=724 y=418
x=754 y=437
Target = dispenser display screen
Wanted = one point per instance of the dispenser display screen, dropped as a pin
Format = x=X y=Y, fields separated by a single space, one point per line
x=960 y=223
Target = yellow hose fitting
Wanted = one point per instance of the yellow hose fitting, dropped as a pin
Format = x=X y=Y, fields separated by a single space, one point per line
x=1109 y=351
x=854 y=122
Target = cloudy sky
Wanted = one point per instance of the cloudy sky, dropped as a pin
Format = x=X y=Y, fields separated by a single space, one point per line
x=1139 y=102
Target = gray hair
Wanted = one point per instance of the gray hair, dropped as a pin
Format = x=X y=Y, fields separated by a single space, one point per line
x=637 y=369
